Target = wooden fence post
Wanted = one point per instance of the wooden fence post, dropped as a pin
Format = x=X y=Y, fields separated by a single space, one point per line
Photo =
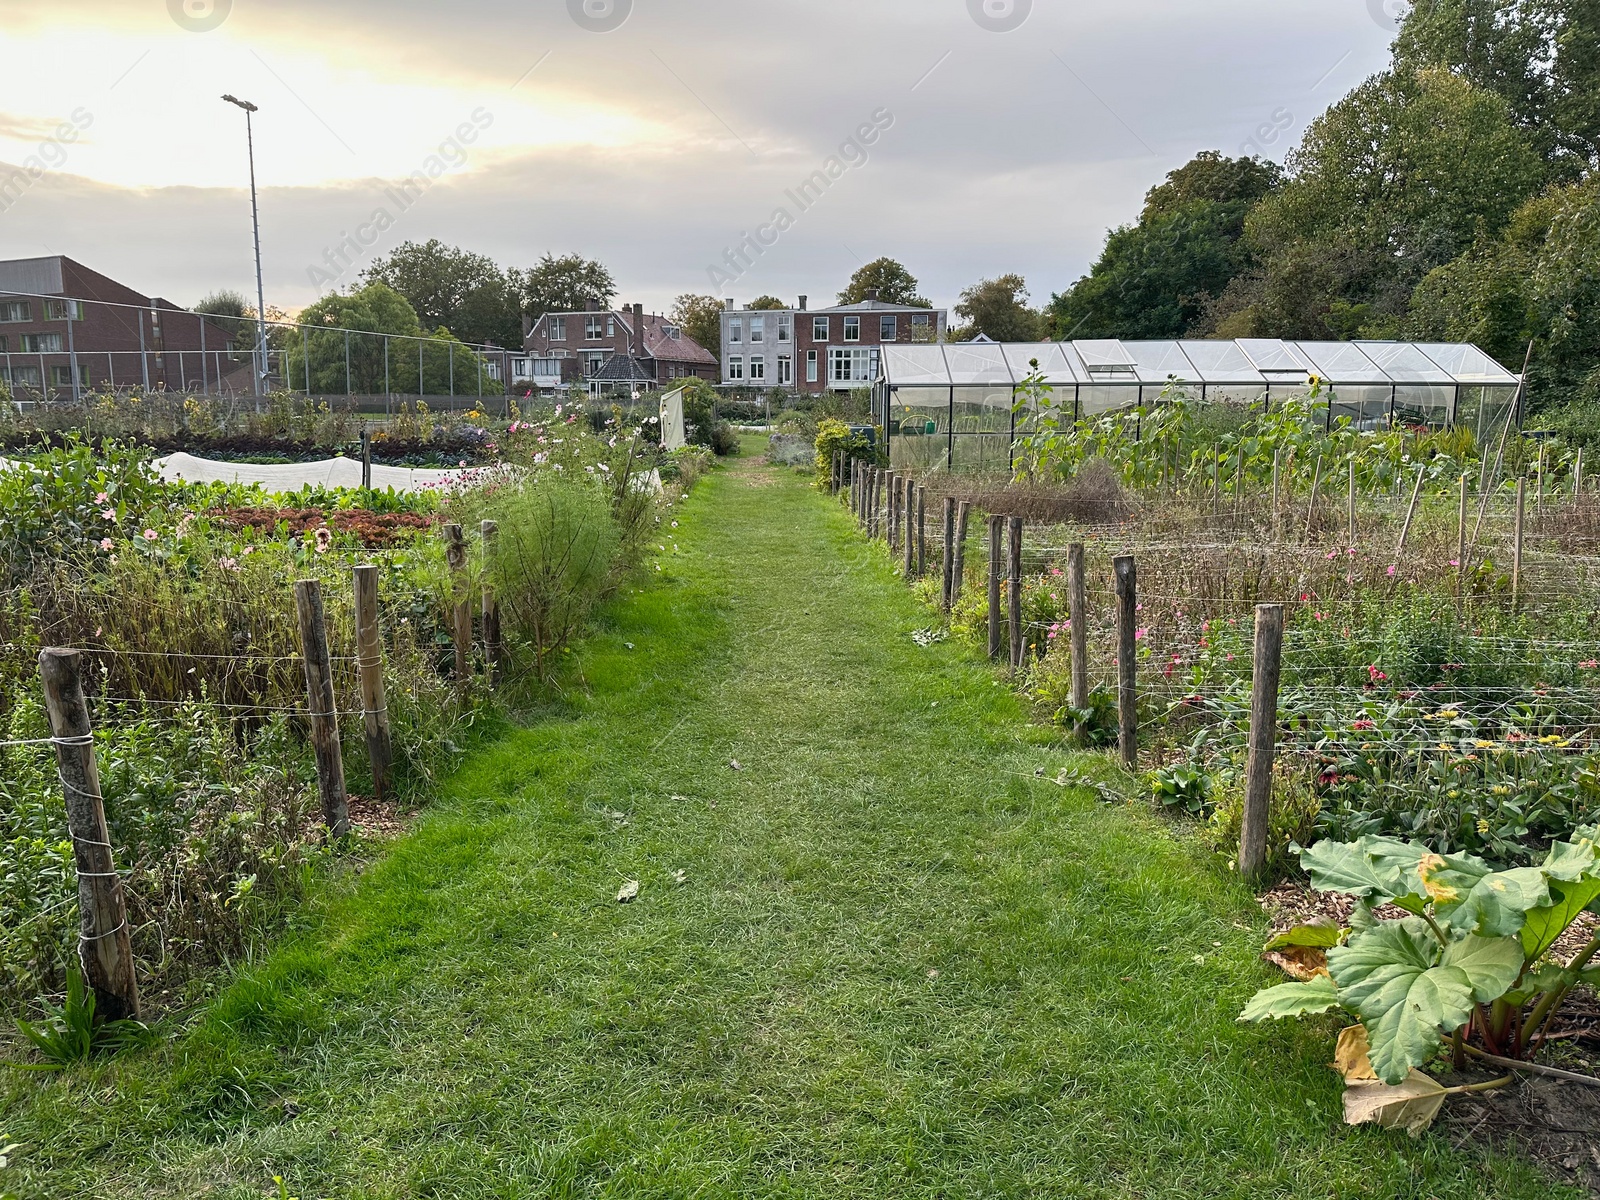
x=366 y=457
x=1461 y=550
x=1078 y=617
x=369 y=662
x=455 y=554
x=1516 y=536
x=1127 y=658
x=1263 y=739
x=893 y=538
x=995 y=525
x=959 y=568
x=872 y=503
x=835 y=482
x=105 y=948
x=493 y=646
x=321 y=705
x=910 y=545
x=947 y=562
x=1019 y=653
x=922 y=531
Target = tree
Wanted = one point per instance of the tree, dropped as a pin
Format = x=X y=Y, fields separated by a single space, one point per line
x=893 y=283
x=767 y=302
x=1210 y=178
x=701 y=318
x=363 y=360
x=998 y=308
x=564 y=284
x=228 y=309
x=447 y=286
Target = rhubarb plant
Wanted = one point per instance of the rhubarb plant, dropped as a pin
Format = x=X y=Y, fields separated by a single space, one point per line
x=1469 y=960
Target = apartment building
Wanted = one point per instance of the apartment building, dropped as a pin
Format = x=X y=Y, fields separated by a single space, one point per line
x=815 y=350
x=600 y=346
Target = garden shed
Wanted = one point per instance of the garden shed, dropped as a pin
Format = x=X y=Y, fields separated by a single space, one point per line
x=951 y=404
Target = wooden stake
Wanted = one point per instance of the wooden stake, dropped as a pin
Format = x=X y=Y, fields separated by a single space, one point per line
x=1577 y=475
x=1216 y=484
x=1277 y=452
x=1316 y=484
x=1461 y=550
x=493 y=646
x=1352 y=503
x=1263 y=739
x=455 y=555
x=1127 y=659
x=959 y=569
x=320 y=704
x=369 y=661
x=105 y=949
x=1411 y=512
x=922 y=531
x=1078 y=615
x=366 y=457
x=907 y=503
x=1014 y=589
x=948 y=561
x=1516 y=544
x=893 y=536
x=1238 y=481
x=996 y=537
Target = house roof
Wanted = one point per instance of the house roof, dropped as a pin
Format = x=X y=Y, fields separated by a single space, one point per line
x=622 y=368
x=657 y=343
x=875 y=306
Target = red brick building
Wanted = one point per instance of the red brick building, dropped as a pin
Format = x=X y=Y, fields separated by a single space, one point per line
x=579 y=347
x=814 y=350
x=55 y=312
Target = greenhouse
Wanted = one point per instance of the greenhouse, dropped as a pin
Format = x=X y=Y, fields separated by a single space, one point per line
x=952 y=404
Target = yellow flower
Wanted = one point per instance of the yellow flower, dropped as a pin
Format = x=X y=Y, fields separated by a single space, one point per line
x=1447 y=714
x=1549 y=739
x=1499 y=789
x=1482 y=745
x=1445 y=746
x=1483 y=826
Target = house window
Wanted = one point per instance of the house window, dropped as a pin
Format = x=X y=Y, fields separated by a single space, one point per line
x=758 y=329
x=15 y=310
x=922 y=327
x=593 y=329
x=611 y=327
x=886 y=331
x=785 y=370
x=596 y=361
x=27 y=377
x=41 y=343
x=758 y=366
x=521 y=368
x=852 y=329
x=783 y=327
x=547 y=368
x=850 y=366
x=63 y=310
x=819 y=329
x=61 y=376
x=811 y=366
x=670 y=331
x=736 y=367
x=736 y=329
x=558 y=329
x=4 y=346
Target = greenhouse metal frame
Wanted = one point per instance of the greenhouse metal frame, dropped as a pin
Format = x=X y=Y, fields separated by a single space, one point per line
x=952 y=404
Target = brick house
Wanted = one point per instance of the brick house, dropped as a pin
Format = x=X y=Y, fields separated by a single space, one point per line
x=814 y=350
x=55 y=311
x=608 y=346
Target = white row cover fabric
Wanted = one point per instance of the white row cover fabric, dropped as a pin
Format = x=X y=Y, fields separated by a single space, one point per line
x=1249 y=362
x=291 y=477
x=672 y=420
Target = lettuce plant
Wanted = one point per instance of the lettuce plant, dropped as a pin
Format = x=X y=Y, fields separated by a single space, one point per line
x=1469 y=959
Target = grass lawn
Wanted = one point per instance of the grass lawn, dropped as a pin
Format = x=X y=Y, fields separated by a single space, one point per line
x=899 y=962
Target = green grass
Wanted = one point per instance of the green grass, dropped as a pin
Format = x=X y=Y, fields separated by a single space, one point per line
x=902 y=964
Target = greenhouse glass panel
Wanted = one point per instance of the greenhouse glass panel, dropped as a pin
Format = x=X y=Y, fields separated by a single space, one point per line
x=1156 y=362
x=1424 y=406
x=1097 y=398
x=1341 y=362
x=982 y=410
x=1466 y=363
x=1104 y=355
x=919 y=427
x=980 y=452
x=1237 y=393
x=1273 y=357
x=1404 y=363
x=1366 y=405
x=1054 y=363
x=915 y=366
x=977 y=363
x=1222 y=362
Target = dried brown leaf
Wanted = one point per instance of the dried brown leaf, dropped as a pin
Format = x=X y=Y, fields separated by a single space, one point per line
x=1411 y=1105
x=1350 y=1055
x=1304 y=963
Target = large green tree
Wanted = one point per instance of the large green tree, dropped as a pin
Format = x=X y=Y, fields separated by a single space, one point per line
x=701 y=318
x=998 y=308
x=564 y=284
x=1155 y=279
x=365 y=340
x=893 y=283
x=465 y=293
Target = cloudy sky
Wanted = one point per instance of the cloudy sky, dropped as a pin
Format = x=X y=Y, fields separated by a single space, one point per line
x=653 y=139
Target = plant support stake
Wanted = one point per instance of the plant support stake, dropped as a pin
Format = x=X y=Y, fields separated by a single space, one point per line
x=1019 y=652
x=369 y=662
x=996 y=528
x=323 y=711
x=1127 y=658
x=1263 y=739
x=1078 y=618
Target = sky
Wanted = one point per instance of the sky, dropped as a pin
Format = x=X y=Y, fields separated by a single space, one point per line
x=965 y=138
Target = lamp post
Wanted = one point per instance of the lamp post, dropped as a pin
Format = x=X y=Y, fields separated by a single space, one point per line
x=255 y=222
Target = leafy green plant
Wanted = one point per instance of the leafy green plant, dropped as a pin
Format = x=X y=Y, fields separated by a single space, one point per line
x=1469 y=959
x=1183 y=785
x=1095 y=725
x=833 y=435
x=70 y=1034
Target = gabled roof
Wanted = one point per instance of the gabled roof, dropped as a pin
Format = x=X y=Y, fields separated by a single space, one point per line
x=622 y=368
x=875 y=306
x=657 y=343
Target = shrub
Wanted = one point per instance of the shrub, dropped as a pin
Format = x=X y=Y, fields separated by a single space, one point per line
x=832 y=435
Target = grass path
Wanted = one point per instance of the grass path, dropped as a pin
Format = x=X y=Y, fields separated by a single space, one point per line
x=901 y=965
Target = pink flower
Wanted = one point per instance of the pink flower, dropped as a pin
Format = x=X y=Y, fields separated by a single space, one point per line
x=1332 y=554
x=1455 y=562
x=102 y=498
x=1138 y=634
x=108 y=514
x=1590 y=664
x=105 y=543
x=150 y=535
x=1391 y=572
x=1363 y=724
x=1320 y=616
x=324 y=539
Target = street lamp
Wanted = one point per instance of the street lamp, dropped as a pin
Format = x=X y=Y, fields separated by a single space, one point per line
x=255 y=221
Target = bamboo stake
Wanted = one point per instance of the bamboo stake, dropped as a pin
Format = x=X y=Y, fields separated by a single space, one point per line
x=1461 y=549
x=1411 y=512
x=1516 y=543
x=1352 y=503
x=1316 y=485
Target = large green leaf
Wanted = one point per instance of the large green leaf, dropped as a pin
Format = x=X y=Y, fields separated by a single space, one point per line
x=1319 y=932
x=1388 y=975
x=1375 y=869
x=1497 y=905
x=1491 y=964
x=1547 y=923
x=1570 y=861
x=1292 y=1000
